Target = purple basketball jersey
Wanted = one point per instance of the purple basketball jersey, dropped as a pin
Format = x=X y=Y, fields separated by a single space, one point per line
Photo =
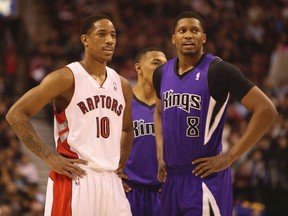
x=142 y=165
x=192 y=125
x=188 y=112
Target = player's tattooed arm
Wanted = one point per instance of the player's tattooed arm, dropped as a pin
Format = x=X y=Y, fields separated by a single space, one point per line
x=57 y=162
x=28 y=136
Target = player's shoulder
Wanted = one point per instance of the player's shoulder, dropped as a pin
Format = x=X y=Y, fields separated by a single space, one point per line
x=124 y=82
x=60 y=75
x=57 y=82
x=126 y=87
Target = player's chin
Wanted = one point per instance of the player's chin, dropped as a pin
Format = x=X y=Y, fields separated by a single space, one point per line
x=189 y=52
x=107 y=58
x=108 y=52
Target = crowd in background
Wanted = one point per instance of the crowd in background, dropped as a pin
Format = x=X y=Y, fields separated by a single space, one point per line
x=251 y=34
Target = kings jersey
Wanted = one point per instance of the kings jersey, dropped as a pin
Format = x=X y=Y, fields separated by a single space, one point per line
x=142 y=165
x=190 y=113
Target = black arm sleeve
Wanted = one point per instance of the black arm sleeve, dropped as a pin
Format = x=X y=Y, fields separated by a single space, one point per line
x=224 y=78
x=157 y=80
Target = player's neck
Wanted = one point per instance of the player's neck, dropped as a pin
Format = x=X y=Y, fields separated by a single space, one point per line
x=145 y=93
x=94 y=67
x=188 y=62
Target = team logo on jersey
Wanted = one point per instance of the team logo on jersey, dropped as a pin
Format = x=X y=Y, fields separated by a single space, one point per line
x=184 y=101
x=77 y=181
x=100 y=101
x=115 y=86
x=142 y=128
x=197 y=76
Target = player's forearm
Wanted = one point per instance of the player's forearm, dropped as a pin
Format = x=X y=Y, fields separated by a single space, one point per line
x=26 y=133
x=258 y=125
x=158 y=135
x=126 y=146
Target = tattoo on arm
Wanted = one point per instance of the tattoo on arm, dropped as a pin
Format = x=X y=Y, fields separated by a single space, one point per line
x=28 y=136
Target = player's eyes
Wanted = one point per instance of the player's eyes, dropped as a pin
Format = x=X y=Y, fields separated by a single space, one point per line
x=101 y=34
x=156 y=63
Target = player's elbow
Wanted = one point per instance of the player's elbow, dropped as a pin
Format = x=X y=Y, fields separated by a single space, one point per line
x=12 y=116
x=9 y=116
x=270 y=112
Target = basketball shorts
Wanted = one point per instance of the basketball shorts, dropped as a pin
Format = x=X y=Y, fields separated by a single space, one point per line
x=144 y=199
x=184 y=194
x=96 y=194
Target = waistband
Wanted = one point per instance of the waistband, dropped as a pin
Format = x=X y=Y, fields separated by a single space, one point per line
x=180 y=170
x=155 y=187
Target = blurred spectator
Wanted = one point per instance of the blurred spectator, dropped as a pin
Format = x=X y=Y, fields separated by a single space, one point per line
x=249 y=209
x=242 y=183
x=27 y=169
x=278 y=75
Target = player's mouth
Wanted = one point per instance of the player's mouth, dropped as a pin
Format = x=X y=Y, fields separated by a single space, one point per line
x=108 y=49
x=188 y=45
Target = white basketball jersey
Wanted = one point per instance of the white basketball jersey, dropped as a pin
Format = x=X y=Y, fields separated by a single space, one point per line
x=90 y=127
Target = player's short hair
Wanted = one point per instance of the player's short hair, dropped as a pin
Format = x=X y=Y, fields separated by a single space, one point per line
x=88 y=23
x=189 y=14
x=142 y=52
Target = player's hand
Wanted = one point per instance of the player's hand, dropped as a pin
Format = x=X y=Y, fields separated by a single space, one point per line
x=161 y=171
x=120 y=173
x=209 y=165
x=126 y=187
x=66 y=166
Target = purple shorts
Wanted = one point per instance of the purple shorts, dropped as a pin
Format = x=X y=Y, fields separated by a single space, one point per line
x=184 y=194
x=144 y=199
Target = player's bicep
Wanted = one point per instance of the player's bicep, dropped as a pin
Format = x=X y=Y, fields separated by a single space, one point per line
x=255 y=100
x=36 y=98
x=128 y=95
x=56 y=84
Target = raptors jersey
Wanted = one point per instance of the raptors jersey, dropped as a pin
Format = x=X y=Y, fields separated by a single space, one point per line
x=90 y=127
x=190 y=113
x=142 y=165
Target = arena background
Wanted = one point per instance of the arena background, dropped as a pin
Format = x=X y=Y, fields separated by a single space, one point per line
x=39 y=36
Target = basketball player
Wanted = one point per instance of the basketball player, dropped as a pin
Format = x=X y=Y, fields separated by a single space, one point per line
x=193 y=92
x=93 y=128
x=142 y=186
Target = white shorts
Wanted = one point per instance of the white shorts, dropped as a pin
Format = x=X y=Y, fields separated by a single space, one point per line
x=96 y=194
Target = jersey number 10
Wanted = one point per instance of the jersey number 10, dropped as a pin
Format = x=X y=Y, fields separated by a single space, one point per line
x=103 y=127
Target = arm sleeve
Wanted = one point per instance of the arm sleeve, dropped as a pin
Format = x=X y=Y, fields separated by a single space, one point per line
x=157 y=80
x=224 y=78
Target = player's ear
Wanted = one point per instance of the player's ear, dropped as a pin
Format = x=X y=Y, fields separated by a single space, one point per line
x=173 y=39
x=84 y=39
x=204 y=38
x=137 y=67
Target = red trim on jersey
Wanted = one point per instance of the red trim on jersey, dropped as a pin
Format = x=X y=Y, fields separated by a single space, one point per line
x=63 y=131
x=63 y=147
x=62 y=194
x=60 y=117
